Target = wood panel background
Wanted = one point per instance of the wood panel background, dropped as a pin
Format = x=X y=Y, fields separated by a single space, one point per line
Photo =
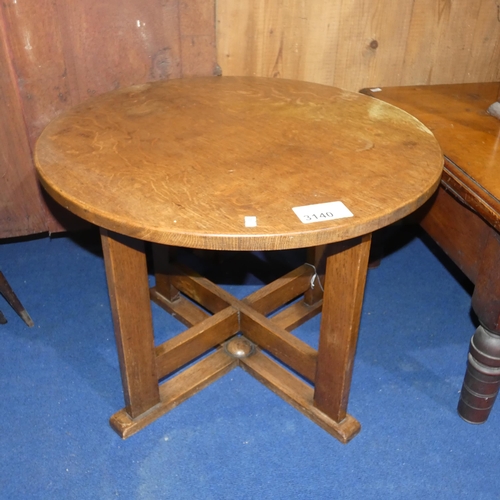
x=55 y=54
x=361 y=43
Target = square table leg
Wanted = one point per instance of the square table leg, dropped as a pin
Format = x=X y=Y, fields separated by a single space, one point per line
x=316 y=257
x=127 y=276
x=345 y=279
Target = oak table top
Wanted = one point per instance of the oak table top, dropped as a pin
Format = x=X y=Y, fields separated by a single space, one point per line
x=185 y=162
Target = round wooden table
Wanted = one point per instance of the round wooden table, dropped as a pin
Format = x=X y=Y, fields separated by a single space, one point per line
x=238 y=164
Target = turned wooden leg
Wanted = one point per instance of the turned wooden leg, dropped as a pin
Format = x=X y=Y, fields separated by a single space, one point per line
x=345 y=279
x=127 y=277
x=12 y=299
x=482 y=379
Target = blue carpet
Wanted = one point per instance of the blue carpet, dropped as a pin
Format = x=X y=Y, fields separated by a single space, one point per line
x=60 y=383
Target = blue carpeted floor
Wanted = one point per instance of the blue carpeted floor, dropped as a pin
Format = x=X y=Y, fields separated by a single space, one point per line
x=60 y=382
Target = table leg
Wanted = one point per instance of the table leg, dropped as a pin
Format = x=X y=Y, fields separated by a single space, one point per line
x=482 y=379
x=12 y=299
x=330 y=369
x=316 y=257
x=162 y=273
x=345 y=279
x=127 y=277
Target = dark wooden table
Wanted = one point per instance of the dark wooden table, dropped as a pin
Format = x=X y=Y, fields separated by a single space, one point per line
x=464 y=218
x=224 y=164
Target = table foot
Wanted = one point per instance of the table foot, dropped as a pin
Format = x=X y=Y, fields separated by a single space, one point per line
x=482 y=379
x=298 y=394
x=291 y=389
x=176 y=390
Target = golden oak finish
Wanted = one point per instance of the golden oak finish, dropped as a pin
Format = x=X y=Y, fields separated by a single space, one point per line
x=343 y=298
x=175 y=391
x=184 y=162
x=128 y=293
x=298 y=394
x=201 y=162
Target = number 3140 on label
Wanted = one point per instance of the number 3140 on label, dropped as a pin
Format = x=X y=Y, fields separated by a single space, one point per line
x=322 y=212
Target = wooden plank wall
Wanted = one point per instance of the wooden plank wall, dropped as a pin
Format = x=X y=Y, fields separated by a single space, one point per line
x=361 y=43
x=56 y=53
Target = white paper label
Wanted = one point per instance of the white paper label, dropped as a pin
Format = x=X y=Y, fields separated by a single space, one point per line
x=322 y=212
x=250 y=221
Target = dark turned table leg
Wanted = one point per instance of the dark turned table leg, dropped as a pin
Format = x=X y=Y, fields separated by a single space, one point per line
x=482 y=379
x=475 y=247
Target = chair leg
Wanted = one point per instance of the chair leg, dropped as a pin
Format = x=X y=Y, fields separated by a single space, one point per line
x=3 y=319
x=12 y=299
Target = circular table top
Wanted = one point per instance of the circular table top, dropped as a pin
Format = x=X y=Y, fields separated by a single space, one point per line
x=221 y=162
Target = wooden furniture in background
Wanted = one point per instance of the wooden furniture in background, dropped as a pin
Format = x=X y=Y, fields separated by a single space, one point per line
x=56 y=54
x=15 y=303
x=464 y=219
x=191 y=163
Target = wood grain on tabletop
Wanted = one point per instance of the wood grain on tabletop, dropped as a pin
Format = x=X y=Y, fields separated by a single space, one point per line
x=183 y=162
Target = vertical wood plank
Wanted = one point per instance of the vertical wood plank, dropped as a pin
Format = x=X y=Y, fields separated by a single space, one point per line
x=360 y=43
x=286 y=38
x=197 y=32
x=21 y=209
x=442 y=33
x=37 y=44
x=484 y=54
x=121 y=42
x=128 y=286
x=372 y=42
x=342 y=301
